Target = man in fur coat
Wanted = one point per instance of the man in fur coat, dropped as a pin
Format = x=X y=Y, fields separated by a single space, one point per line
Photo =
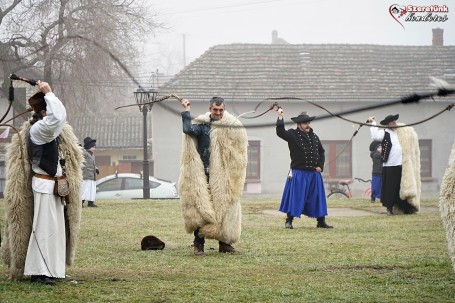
x=37 y=243
x=212 y=175
x=447 y=204
x=400 y=155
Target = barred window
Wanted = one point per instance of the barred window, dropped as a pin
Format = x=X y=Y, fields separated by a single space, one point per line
x=425 y=157
x=253 y=169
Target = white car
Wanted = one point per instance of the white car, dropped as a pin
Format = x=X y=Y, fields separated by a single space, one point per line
x=127 y=186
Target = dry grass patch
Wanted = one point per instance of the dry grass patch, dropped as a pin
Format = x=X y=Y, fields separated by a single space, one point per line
x=363 y=259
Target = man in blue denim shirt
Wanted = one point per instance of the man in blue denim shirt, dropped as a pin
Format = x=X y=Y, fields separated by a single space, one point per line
x=202 y=131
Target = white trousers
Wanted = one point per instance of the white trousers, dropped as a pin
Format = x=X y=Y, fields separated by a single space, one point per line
x=46 y=252
x=88 y=190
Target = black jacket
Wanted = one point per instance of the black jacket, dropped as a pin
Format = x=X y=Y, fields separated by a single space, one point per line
x=377 y=163
x=202 y=133
x=305 y=149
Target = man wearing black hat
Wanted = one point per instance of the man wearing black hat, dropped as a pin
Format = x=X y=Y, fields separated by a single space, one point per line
x=89 y=172
x=400 y=155
x=304 y=191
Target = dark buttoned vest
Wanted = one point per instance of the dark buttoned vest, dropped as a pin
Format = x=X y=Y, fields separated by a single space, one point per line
x=45 y=156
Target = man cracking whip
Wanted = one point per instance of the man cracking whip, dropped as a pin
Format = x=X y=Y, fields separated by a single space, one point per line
x=41 y=228
x=304 y=191
x=401 y=184
x=212 y=175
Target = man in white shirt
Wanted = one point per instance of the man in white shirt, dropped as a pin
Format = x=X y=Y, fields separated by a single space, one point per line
x=46 y=251
x=41 y=229
x=398 y=143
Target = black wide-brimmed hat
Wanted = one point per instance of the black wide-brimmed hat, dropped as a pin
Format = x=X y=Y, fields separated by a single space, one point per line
x=89 y=143
x=303 y=117
x=152 y=243
x=374 y=145
x=389 y=118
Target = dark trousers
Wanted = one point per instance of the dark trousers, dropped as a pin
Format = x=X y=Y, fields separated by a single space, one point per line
x=201 y=240
x=390 y=191
x=197 y=239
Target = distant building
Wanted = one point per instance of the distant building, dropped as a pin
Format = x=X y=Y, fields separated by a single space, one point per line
x=119 y=140
x=338 y=77
x=276 y=39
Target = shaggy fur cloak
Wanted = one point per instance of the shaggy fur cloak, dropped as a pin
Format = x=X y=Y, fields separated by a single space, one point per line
x=215 y=207
x=19 y=199
x=447 y=204
x=410 y=186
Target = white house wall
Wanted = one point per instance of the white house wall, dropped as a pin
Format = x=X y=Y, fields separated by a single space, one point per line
x=167 y=138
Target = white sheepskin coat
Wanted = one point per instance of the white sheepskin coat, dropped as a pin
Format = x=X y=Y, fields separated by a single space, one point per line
x=19 y=199
x=215 y=207
x=447 y=204
x=410 y=187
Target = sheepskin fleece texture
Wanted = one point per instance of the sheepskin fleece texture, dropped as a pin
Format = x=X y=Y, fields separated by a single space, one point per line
x=215 y=207
x=447 y=204
x=19 y=199
x=410 y=186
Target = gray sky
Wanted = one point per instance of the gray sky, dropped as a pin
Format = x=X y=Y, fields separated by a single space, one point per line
x=205 y=23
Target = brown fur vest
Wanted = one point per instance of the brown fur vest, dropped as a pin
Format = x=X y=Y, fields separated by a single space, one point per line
x=19 y=199
x=410 y=186
x=215 y=207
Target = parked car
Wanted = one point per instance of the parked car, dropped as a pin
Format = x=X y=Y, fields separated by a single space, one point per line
x=130 y=186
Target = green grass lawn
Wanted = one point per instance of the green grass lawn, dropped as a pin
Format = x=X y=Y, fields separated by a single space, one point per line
x=363 y=259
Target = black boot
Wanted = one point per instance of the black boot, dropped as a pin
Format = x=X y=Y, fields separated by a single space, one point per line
x=198 y=249
x=198 y=244
x=43 y=279
x=288 y=223
x=83 y=203
x=92 y=204
x=322 y=224
x=225 y=248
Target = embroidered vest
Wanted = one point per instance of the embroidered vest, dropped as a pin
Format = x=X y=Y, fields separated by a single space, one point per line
x=45 y=155
x=386 y=147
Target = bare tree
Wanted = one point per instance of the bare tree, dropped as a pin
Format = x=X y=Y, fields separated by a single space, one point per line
x=84 y=48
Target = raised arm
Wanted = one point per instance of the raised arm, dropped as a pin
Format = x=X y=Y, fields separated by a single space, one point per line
x=280 y=130
x=54 y=120
x=189 y=128
x=376 y=133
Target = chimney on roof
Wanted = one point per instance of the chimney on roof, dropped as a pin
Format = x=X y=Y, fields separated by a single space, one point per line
x=274 y=36
x=276 y=40
x=438 y=37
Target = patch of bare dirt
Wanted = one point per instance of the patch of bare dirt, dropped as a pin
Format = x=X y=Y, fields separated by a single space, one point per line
x=349 y=212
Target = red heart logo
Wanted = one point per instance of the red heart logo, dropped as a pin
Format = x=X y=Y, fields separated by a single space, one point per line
x=396 y=11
